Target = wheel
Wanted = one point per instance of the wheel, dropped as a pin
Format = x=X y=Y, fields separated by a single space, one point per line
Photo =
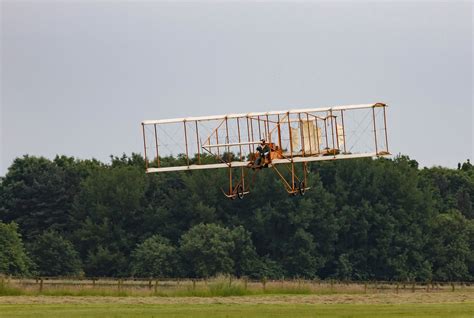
x=301 y=188
x=295 y=186
x=240 y=192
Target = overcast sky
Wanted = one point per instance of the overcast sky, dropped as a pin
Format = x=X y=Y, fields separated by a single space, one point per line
x=78 y=77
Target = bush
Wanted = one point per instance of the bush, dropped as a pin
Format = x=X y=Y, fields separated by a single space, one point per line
x=207 y=249
x=13 y=258
x=54 y=256
x=155 y=257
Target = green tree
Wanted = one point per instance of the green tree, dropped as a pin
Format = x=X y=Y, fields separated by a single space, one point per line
x=13 y=257
x=244 y=255
x=38 y=193
x=300 y=259
x=54 y=256
x=102 y=262
x=451 y=241
x=362 y=219
x=108 y=214
x=207 y=250
x=155 y=257
x=34 y=195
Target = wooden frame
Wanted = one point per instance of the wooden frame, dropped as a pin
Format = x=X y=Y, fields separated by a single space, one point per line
x=286 y=128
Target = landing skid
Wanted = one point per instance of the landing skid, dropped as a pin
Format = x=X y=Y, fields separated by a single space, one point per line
x=234 y=196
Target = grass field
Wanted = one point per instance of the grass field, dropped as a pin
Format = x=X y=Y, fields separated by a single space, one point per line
x=463 y=310
x=219 y=286
x=222 y=298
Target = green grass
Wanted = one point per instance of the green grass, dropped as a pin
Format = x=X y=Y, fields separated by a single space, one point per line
x=7 y=290
x=215 y=288
x=465 y=310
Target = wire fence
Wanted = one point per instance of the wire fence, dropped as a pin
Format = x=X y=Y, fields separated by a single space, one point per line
x=167 y=286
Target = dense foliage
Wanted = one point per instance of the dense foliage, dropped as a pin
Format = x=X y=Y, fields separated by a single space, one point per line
x=363 y=219
x=53 y=255
x=13 y=258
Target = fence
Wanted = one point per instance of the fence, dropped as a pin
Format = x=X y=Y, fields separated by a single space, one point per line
x=221 y=285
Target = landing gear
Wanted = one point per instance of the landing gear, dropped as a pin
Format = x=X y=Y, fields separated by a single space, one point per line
x=240 y=192
x=294 y=192
x=293 y=184
x=301 y=188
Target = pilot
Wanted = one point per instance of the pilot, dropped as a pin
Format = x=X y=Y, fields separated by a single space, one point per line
x=264 y=151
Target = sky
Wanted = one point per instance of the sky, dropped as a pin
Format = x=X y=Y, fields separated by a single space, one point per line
x=78 y=77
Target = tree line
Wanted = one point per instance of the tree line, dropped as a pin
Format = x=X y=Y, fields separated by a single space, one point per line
x=363 y=219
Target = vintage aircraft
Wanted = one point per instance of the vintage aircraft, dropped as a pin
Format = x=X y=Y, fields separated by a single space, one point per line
x=278 y=140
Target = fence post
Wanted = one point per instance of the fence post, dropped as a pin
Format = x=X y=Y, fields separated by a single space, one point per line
x=41 y=285
x=156 y=286
x=264 y=283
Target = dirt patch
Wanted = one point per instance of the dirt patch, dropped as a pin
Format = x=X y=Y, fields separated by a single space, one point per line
x=382 y=298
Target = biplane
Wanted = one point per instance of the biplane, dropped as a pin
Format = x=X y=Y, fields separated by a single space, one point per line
x=292 y=137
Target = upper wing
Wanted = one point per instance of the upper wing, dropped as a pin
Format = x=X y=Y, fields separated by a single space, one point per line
x=299 y=135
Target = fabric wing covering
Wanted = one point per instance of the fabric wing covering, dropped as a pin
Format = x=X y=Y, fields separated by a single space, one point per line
x=340 y=136
x=311 y=136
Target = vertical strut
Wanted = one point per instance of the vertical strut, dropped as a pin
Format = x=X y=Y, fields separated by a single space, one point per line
x=332 y=134
x=337 y=133
x=259 y=128
x=227 y=140
x=317 y=134
x=326 y=132
x=144 y=146
x=251 y=129
x=375 y=131
x=291 y=154
x=301 y=134
x=385 y=124
x=197 y=143
x=186 y=141
x=279 y=132
x=343 y=131
x=238 y=132
x=248 y=135
x=309 y=135
x=267 y=128
x=156 y=145
x=242 y=176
